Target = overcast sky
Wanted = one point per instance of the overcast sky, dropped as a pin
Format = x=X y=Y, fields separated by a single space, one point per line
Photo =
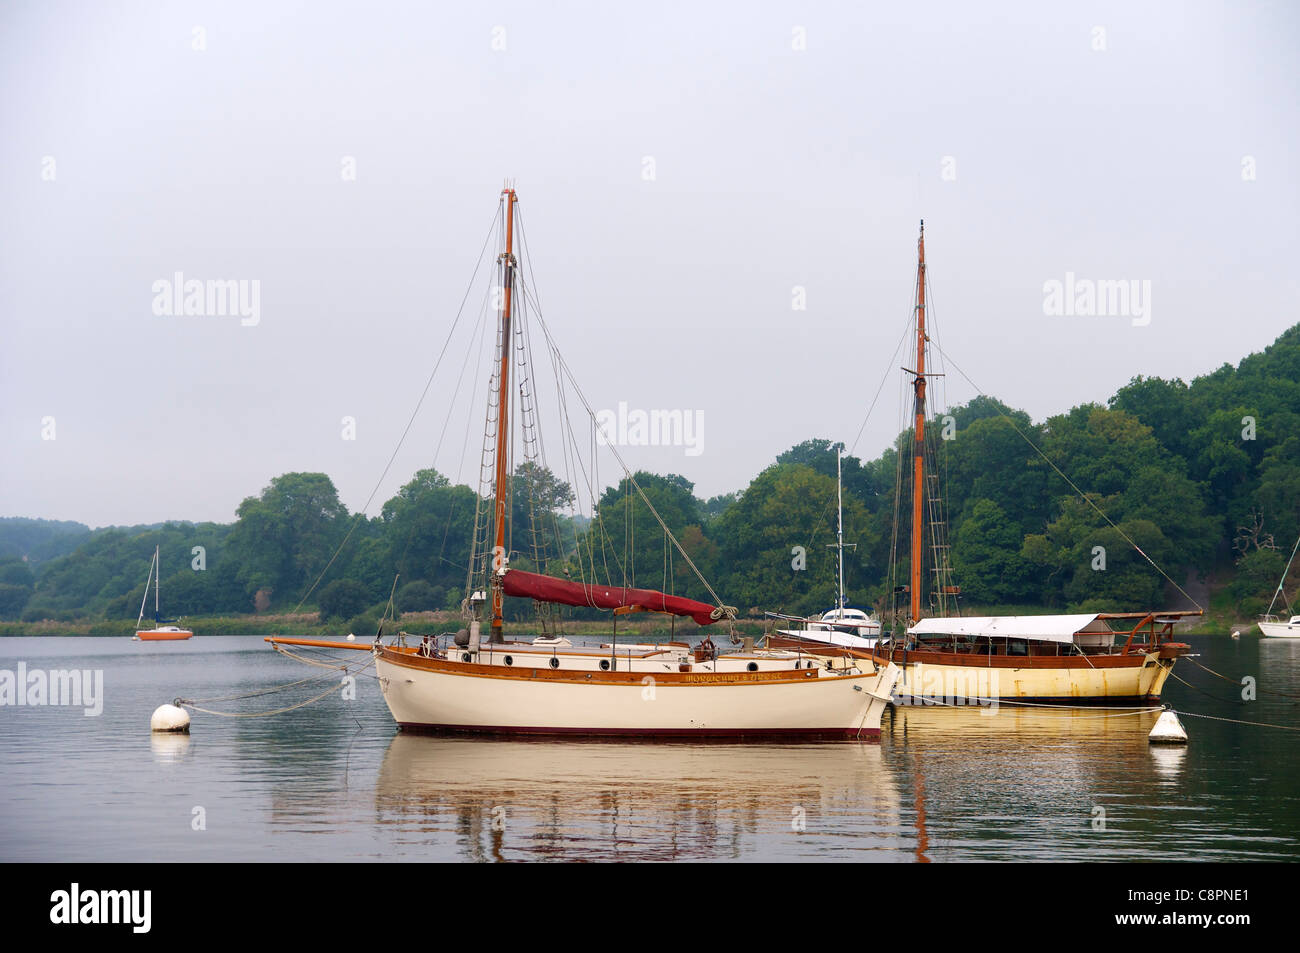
x=791 y=145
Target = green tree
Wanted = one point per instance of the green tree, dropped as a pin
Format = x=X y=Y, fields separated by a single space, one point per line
x=987 y=560
x=284 y=538
x=342 y=599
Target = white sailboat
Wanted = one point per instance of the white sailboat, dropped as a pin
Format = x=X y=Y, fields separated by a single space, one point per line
x=163 y=630
x=1271 y=625
x=480 y=682
x=844 y=626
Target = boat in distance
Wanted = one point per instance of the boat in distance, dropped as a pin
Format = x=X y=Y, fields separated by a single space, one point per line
x=162 y=631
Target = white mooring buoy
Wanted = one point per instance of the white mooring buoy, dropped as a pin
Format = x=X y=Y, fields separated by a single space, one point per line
x=1168 y=730
x=170 y=718
x=1236 y=634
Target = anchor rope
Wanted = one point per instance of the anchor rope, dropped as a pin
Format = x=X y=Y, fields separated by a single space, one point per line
x=190 y=703
x=1237 y=682
x=1237 y=721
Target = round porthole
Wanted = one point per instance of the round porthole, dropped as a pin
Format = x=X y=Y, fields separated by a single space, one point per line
x=509 y=660
x=465 y=657
x=604 y=665
x=555 y=663
x=752 y=667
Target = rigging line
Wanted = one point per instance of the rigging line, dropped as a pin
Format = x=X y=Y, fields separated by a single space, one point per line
x=567 y=439
x=481 y=332
x=824 y=518
x=1082 y=495
x=534 y=296
x=562 y=369
x=528 y=296
x=411 y=422
x=1282 y=581
x=568 y=373
x=596 y=529
x=320 y=663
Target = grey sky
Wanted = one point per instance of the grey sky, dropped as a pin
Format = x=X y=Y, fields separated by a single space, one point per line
x=774 y=167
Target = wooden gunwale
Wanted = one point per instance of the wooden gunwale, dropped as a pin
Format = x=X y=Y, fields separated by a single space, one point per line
x=803 y=676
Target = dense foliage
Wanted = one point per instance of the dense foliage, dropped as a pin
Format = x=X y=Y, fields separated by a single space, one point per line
x=1204 y=478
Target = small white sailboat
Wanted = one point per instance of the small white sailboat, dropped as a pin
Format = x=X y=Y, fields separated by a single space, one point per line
x=851 y=628
x=164 y=630
x=1271 y=625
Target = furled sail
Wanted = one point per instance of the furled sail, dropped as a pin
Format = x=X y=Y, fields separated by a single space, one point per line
x=532 y=585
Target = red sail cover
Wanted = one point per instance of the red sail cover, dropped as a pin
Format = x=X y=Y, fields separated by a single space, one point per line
x=549 y=589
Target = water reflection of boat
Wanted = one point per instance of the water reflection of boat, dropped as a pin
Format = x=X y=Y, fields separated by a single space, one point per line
x=627 y=800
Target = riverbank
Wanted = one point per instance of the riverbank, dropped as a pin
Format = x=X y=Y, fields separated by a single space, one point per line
x=308 y=624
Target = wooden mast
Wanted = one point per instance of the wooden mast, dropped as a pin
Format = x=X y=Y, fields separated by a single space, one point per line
x=918 y=442
x=507 y=260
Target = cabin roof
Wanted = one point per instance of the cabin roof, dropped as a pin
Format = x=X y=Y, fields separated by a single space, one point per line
x=1041 y=628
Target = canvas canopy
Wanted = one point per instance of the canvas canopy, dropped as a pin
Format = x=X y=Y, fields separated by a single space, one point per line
x=1037 y=628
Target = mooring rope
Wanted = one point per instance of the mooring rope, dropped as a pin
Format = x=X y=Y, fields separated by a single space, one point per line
x=182 y=703
x=1197 y=688
x=1234 y=681
x=190 y=703
x=1237 y=721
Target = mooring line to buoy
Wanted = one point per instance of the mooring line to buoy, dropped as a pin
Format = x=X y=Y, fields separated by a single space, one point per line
x=190 y=703
x=1239 y=721
x=264 y=691
x=182 y=703
x=1233 y=681
x=1197 y=688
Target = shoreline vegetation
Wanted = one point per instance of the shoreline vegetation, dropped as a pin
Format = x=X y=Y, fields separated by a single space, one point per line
x=308 y=625
x=1193 y=499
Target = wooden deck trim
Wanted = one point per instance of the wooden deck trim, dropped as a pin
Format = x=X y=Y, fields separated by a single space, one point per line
x=803 y=676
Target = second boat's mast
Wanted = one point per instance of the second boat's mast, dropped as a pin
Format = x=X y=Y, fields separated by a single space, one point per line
x=839 y=534
x=918 y=443
x=498 y=562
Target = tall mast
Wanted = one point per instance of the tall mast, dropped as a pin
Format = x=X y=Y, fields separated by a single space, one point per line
x=507 y=263
x=157 y=582
x=839 y=532
x=918 y=443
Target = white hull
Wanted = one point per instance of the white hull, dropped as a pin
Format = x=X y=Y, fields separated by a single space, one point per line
x=440 y=695
x=1280 y=630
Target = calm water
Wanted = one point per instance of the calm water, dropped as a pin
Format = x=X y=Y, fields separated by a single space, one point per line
x=336 y=781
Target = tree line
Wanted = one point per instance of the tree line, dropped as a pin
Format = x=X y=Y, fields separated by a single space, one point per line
x=1202 y=478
